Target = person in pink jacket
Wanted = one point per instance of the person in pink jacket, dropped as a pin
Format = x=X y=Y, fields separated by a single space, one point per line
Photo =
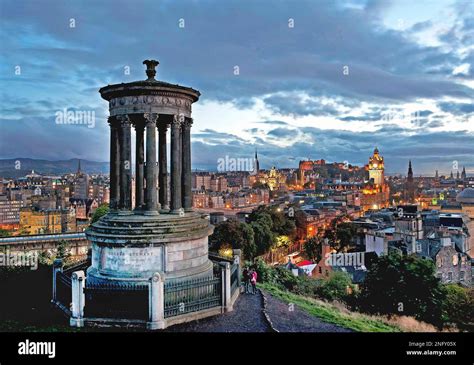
x=253 y=281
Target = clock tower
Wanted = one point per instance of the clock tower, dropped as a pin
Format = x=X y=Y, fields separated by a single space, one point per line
x=376 y=168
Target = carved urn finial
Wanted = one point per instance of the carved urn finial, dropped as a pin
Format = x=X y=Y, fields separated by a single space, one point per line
x=150 y=69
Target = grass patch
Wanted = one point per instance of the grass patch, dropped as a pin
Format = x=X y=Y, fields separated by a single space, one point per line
x=330 y=313
x=16 y=326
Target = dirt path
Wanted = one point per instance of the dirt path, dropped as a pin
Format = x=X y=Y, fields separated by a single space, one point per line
x=285 y=318
x=248 y=316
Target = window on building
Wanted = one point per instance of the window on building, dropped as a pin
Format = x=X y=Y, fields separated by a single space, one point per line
x=418 y=247
x=450 y=276
x=461 y=276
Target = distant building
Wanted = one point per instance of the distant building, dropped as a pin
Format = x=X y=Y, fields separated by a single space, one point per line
x=47 y=221
x=376 y=168
x=10 y=213
x=308 y=166
x=201 y=181
x=81 y=184
x=452 y=266
x=218 y=184
x=410 y=186
x=256 y=165
x=463 y=174
x=375 y=194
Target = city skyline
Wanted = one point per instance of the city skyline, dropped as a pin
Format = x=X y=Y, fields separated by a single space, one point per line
x=365 y=74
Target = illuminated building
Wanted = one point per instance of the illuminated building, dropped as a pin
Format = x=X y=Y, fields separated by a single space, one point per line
x=375 y=193
x=309 y=165
x=273 y=179
x=376 y=168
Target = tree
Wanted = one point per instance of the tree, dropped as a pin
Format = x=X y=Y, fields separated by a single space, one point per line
x=341 y=232
x=4 y=233
x=282 y=241
x=264 y=237
x=313 y=249
x=238 y=235
x=344 y=234
x=336 y=286
x=278 y=222
x=62 y=252
x=404 y=285
x=458 y=306
x=100 y=212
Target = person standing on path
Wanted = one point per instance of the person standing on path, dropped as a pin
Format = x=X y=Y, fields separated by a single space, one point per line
x=253 y=281
x=246 y=275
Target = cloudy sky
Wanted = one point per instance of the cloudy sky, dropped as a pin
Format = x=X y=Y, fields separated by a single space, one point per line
x=294 y=79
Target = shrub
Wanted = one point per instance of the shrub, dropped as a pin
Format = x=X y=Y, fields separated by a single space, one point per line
x=458 y=306
x=336 y=287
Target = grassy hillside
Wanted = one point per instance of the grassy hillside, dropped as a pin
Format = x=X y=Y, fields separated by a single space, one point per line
x=331 y=313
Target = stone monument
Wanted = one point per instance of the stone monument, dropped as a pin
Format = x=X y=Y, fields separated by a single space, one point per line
x=162 y=234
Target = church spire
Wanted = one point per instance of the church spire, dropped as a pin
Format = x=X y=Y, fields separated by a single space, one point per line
x=256 y=167
x=410 y=185
x=79 y=167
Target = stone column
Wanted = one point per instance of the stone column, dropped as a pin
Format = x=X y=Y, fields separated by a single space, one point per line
x=226 y=287
x=57 y=267
x=152 y=205
x=78 y=299
x=139 y=165
x=237 y=253
x=163 y=166
x=156 y=305
x=114 y=164
x=176 y=203
x=125 y=137
x=186 y=166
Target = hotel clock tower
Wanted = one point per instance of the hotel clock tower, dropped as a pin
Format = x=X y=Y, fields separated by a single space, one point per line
x=376 y=168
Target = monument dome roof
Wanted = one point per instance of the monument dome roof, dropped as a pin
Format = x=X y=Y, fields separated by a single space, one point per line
x=150 y=86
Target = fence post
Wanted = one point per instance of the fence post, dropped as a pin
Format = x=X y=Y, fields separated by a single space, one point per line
x=78 y=298
x=57 y=267
x=89 y=257
x=226 y=294
x=156 y=303
x=238 y=261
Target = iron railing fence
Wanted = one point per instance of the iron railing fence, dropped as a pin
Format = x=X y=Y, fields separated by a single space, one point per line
x=78 y=266
x=234 y=278
x=63 y=289
x=128 y=301
x=193 y=295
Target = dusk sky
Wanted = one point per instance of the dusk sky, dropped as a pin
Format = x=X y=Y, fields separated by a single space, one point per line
x=317 y=79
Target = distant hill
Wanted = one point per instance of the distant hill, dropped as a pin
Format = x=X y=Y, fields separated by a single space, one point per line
x=46 y=167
